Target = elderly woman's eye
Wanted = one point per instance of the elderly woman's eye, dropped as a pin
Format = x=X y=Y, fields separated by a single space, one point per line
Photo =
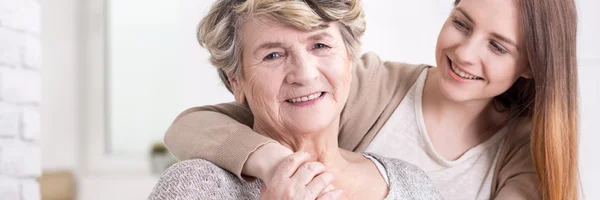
x=320 y=46
x=272 y=56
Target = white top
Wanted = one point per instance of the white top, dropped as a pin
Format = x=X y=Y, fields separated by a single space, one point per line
x=405 y=137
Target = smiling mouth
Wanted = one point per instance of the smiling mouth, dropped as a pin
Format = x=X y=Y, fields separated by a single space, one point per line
x=461 y=73
x=306 y=98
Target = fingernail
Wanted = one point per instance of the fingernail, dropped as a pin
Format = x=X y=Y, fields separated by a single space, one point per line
x=329 y=188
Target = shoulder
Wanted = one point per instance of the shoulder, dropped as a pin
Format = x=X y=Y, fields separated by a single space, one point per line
x=517 y=147
x=198 y=178
x=387 y=73
x=197 y=168
x=515 y=171
x=519 y=132
x=406 y=170
x=407 y=181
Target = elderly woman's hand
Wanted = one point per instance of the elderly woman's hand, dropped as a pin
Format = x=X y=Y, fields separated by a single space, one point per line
x=295 y=178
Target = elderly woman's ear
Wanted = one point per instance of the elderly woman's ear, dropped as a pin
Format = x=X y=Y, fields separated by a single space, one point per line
x=237 y=90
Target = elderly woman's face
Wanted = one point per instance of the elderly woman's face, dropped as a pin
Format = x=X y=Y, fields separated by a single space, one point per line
x=293 y=80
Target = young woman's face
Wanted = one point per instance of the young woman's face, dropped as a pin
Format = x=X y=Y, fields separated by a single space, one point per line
x=480 y=52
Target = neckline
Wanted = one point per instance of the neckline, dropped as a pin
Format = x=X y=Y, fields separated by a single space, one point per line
x=477 y=149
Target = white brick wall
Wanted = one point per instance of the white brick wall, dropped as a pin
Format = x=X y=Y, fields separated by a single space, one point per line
x=9 y=120
x=20 y=86
x=10 y=46
x=20 y=95
x=9 y=188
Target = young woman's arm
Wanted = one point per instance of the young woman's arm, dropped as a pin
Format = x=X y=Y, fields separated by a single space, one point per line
x=223 y=135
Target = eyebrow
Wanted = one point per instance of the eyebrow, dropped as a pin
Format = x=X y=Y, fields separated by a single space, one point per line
x=268 y=45
x=509 y=41
x=465 y=14
x=271 y=45
x=496 y=35
x=319 y=36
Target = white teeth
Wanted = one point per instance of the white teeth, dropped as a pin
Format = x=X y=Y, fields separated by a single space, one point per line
x=306 y=98
x=462 y=74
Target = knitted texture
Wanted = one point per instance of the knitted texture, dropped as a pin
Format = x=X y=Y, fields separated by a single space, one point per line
x=200 y=179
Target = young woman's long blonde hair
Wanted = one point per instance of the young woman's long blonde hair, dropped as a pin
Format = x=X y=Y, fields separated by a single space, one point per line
x=550 y=97
x=550 y=28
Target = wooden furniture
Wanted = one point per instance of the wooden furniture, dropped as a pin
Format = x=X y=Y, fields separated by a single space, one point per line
x=57 y=185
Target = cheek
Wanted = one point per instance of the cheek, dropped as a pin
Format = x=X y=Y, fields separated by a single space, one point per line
x=446 y=39
x=262 y=87
x=502 y=68
x=502 y=76
x=442 y=37
x=338 y=73
x=440 y=42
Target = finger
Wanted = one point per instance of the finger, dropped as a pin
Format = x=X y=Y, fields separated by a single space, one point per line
x=307 y=172
x=332 y=195
x=290 y=164
x=318 y=184
x=329 y=188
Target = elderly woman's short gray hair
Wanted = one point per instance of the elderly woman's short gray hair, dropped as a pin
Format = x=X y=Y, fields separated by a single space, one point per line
x=218 y=31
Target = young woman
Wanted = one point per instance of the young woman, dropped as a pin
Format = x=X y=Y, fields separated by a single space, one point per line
x=498 y=117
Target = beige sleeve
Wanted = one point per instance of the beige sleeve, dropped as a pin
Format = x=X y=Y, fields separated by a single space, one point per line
x=359 y=114
x=220 y=134
x=518 y=179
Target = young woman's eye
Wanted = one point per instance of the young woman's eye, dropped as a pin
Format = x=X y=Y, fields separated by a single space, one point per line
x=320 y=46
x=460 y=25
x=272 y=56
x=498 y=48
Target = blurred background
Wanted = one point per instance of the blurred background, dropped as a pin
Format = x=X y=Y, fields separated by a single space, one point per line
x=88 y=87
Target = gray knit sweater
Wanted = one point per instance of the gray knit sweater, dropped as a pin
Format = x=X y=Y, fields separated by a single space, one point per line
x=200 y=179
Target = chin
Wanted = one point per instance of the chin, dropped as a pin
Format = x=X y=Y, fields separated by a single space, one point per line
x=454 y=93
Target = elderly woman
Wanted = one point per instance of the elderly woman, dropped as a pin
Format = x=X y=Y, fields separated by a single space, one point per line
x=291 y=62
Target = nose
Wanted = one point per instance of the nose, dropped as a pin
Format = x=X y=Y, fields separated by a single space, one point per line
x=467 y=52
x=302 y=70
